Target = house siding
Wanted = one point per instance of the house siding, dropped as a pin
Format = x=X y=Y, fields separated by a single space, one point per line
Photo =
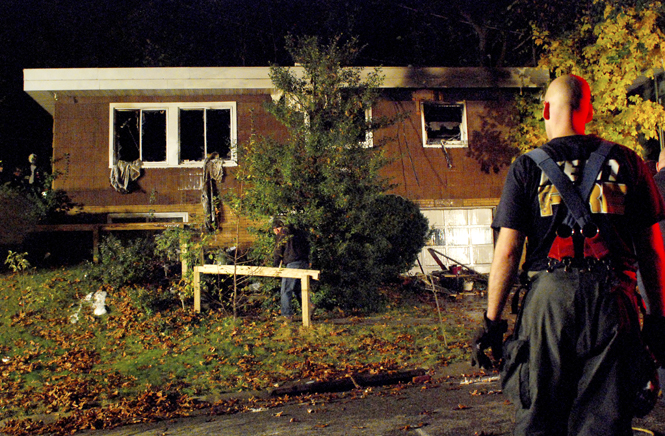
x=422 y=174
x=81 y=152
x=458 y=200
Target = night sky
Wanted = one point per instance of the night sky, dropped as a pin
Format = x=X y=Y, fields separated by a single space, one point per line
x=136 y=33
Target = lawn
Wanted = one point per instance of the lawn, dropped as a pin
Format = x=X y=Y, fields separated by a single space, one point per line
x=132 y=365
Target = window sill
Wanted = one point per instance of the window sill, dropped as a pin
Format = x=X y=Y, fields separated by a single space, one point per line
x=451 y=144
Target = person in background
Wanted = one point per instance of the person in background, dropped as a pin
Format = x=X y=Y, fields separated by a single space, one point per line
x=291 y=251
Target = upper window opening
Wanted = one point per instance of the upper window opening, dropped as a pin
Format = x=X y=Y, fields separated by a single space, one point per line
x=203 y=132
x=444 y=124
x=365 y=137
x=173 y=134
x=140 y=134
x=153 y=137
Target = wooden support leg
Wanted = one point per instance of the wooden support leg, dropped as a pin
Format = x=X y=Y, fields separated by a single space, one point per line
x=306 y=303
x=197 y=290
x=183 y=261
x=95 y=245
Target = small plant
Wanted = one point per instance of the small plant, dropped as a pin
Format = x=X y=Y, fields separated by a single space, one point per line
x=17 y=261
x=177 y=245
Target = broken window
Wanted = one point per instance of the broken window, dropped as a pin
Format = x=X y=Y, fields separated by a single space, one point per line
x=444 y=124
x=153 y=136
x=205 y=131
x=140 y=134
x=174 y=134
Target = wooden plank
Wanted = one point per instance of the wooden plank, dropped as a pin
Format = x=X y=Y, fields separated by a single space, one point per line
x=264 y=271
x=139 y=208
x=306 y=301
x=95 y=245
x=197 y=290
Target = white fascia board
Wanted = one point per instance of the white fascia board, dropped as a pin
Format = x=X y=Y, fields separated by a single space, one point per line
x=45 y=84
x=86 y=79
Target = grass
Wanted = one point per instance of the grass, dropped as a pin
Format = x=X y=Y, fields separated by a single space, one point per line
x=131 y=365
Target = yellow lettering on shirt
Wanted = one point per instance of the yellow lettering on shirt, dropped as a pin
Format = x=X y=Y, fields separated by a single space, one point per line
x=607 y=196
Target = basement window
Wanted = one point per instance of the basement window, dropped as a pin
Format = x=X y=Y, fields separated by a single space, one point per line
x=148 y=217
x=444 y=124
x=460 y=236
x=166 y=135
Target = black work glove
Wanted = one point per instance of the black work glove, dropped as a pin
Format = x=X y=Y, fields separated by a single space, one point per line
x=653 y=334
x=490 y=336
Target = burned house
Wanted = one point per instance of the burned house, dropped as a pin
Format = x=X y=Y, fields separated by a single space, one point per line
x=149 y=147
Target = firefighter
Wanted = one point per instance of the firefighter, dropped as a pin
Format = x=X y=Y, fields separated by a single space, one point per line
x=571 y=366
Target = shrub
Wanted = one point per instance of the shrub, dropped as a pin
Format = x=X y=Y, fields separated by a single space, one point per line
x=381 y=241
x=126 y=261
x=18 y=218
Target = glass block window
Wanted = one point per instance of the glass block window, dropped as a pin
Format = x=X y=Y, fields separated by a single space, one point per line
x=464 y=235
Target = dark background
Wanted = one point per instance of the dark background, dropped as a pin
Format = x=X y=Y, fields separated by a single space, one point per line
x=154 y=33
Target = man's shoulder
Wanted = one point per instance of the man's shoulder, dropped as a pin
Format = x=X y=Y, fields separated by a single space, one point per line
x=578 y=146
x=659 y=178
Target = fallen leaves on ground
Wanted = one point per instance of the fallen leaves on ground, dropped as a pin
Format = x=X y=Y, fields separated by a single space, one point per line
x=130 y=366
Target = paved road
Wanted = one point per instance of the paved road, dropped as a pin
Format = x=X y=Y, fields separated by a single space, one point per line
x=445 y=406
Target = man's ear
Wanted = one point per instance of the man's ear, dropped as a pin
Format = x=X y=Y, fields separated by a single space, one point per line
x=589 y=115
x=546 y=110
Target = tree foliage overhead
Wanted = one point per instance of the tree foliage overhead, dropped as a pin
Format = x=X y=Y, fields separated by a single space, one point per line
x=612 y=44
x=324 y=177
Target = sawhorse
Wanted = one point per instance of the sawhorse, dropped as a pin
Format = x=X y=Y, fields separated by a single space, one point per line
x=305 y=275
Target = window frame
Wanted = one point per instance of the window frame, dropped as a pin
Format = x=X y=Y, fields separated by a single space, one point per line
x=143 y=217
x=441 y=222
x=463 y=142
x=172 y=110
x=369 y=134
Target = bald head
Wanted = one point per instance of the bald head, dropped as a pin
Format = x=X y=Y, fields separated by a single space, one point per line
x=567 y=107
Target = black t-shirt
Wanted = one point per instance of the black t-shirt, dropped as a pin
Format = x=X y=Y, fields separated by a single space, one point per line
x=624 y=198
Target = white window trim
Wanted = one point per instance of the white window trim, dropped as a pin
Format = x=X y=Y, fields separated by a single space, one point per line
x=464 y=143
x=369 y=135
x=144 y=216
x=172 y=138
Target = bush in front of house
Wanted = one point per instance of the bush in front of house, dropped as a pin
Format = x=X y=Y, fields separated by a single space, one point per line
x=18 y=216
x=399 y=232
x=131 y=260
x=125 y=261
x=381 y=241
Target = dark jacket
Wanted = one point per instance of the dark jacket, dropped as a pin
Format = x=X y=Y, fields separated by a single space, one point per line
x=291 y=246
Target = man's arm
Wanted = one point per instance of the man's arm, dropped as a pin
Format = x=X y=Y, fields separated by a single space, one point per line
x=650 y=252
x=278 y=252
x=507 y=255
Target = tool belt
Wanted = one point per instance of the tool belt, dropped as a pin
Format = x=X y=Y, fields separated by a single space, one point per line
x=563 y=252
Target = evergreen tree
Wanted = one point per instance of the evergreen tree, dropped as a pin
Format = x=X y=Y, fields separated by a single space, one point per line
x=325 y=178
